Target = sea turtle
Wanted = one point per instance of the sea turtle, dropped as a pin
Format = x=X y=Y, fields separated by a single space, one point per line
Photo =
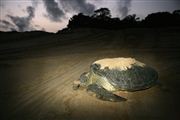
x=109 y=75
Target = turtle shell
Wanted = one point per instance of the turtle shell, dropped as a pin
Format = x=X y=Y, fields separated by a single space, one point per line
x=121 y=74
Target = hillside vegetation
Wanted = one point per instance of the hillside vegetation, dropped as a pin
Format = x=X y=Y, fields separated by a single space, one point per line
x=102 y=19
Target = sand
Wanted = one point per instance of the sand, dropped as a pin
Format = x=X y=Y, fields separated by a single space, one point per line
x=37 y=74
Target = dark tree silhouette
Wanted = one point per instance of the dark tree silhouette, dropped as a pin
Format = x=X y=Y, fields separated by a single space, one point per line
x=130 y=21
x=102 y=13
x=102 y=19
x=176 y=12
x=79 y=20
x=131 y=18
x=162 y=19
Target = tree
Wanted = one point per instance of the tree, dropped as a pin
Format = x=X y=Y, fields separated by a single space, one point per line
x=176 y=12
x=131 y=18
x=102 y=13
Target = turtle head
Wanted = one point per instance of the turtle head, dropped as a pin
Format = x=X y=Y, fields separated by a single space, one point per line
x=82 y=82
x=84 y=79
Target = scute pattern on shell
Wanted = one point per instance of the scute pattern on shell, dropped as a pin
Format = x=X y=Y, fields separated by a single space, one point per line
x=136 y=77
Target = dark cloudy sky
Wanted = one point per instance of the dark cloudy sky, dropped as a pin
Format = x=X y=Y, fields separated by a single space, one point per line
x=53 y=15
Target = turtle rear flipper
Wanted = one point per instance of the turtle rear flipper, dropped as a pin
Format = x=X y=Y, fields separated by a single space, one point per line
x=103 y=94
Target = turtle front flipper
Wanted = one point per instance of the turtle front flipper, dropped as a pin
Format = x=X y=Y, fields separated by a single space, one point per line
x=103 y=94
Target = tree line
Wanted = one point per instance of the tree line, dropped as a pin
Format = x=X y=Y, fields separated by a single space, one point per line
x=102 y=19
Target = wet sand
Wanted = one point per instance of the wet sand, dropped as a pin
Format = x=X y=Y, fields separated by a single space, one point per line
x=36 y=77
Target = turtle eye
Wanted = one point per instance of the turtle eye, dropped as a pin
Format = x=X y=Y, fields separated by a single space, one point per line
x=95 y=67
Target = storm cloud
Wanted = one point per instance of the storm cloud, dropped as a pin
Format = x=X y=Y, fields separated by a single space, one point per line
x=23 y=23
x=56 y=11
x=7 y=25
x=53 y=10
x=124 y=7
x=77 y=6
